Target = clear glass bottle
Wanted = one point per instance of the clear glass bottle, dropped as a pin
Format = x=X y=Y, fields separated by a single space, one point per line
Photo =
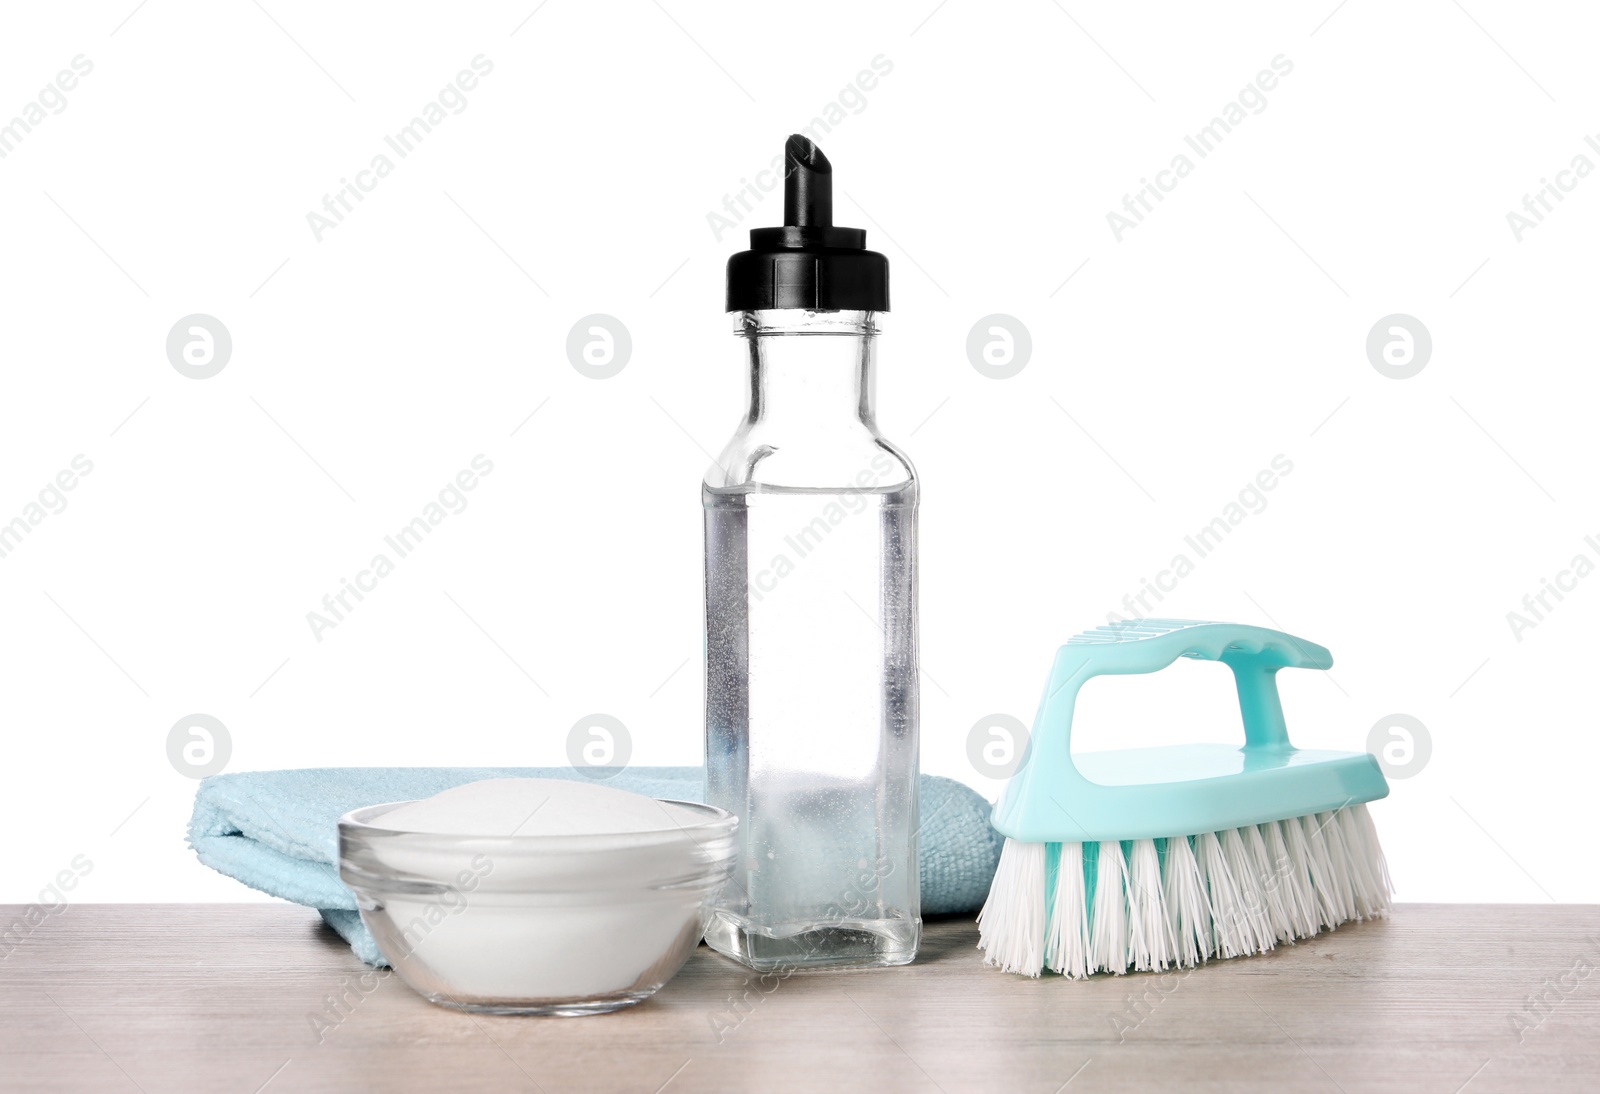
x=811 y=637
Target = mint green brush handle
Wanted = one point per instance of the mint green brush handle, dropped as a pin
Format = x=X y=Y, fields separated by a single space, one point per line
x=1182 y=789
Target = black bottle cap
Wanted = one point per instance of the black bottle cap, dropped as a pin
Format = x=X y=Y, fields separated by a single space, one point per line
x=808 y=263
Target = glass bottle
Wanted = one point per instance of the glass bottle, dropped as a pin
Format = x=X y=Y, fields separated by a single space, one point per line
x=811 y=609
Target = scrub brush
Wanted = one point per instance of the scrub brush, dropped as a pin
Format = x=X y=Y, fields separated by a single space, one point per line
x=1160 y=858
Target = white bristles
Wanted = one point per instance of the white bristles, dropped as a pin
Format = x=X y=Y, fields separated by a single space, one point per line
x=1150 y=942
x=1300 y=859
x=1011 y=925
x=1270 y=884
x=1293 y=883
x=1255 y=928
x=1329 y=904
x=1231 y=893
x=1108 y=922
x=1227 y=912
x=1067 y=937
x=1374 y=852
x=1364 y=885
x=1187 y=909
x=1340 y=857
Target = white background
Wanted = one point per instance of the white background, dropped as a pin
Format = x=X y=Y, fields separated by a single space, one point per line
x=370 y=367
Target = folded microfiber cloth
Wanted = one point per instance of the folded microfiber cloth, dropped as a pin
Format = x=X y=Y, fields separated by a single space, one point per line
x=278 y=831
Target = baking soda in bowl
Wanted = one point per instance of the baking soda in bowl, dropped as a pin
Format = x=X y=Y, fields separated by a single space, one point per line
x=536 y=895
x=535 y=807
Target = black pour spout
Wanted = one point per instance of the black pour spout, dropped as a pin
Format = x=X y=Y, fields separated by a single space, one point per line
x=807 y=185
x=808 y=263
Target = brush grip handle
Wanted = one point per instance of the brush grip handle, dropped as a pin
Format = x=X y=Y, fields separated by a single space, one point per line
x=1180 y=789
x=1255 y=654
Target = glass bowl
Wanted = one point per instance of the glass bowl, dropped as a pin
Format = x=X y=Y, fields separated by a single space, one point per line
x=563 y=925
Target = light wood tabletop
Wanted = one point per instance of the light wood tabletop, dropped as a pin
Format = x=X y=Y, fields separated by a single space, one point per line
x=223 y=997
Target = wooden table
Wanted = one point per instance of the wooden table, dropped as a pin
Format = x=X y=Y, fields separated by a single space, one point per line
x=220 y=998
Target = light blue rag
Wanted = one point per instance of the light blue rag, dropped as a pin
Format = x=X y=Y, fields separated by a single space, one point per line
x=278 y=831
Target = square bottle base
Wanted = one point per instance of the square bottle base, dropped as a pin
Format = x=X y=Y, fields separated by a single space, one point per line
x=858 y=944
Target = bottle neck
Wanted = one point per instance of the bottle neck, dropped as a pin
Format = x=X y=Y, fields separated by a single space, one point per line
x=812 y=370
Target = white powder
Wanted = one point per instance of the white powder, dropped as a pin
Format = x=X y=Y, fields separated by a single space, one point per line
x=535 y=807
x=541 y=924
